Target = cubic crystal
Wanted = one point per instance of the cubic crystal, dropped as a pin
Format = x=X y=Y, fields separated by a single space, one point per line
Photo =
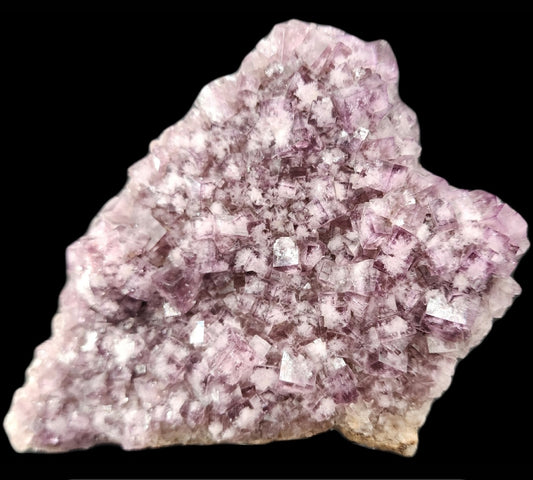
x=285 y=252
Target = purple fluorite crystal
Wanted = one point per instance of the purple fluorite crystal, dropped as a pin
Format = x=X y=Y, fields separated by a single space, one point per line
x=279 y=265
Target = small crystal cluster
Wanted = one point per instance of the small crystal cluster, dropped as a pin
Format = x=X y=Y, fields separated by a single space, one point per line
x=278 y=265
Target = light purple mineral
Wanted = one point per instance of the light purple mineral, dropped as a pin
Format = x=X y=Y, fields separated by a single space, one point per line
x=278 y=265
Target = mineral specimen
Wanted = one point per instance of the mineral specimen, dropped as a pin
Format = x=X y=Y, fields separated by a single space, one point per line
x=278 y=265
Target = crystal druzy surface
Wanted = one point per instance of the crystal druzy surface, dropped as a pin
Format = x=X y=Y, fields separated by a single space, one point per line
x=278 y=265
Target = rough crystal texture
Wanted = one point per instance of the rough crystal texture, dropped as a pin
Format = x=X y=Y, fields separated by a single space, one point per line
x=277 y=266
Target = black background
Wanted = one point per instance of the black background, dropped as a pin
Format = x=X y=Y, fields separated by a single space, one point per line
x=83 y=94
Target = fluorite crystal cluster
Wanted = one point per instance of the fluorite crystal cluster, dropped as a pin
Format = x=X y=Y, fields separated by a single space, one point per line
x=278 y=265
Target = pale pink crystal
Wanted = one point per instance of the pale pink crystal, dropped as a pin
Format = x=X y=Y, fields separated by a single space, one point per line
x=278 y=265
